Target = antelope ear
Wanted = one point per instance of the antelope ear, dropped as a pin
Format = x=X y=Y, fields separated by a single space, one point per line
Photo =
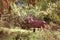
x=32 y=20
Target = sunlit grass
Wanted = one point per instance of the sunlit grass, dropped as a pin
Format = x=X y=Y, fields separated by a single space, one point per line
x=38 y=35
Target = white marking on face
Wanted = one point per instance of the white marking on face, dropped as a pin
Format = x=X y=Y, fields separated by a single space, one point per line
x=44 y=21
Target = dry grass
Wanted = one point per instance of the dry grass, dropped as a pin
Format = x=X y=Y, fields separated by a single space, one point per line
x=29 y=35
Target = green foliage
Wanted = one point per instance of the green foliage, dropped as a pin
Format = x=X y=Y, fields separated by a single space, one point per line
x=55 y=17
x=25 y=1
x=43 y=5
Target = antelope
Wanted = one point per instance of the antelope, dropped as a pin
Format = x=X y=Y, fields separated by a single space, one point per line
x=34 y=23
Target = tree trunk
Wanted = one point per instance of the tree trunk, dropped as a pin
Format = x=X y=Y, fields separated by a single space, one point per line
x=1 y=7
x=6 y=5
x=31 y=2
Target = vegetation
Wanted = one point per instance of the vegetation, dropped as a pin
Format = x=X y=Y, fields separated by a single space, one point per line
x=12 y=22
